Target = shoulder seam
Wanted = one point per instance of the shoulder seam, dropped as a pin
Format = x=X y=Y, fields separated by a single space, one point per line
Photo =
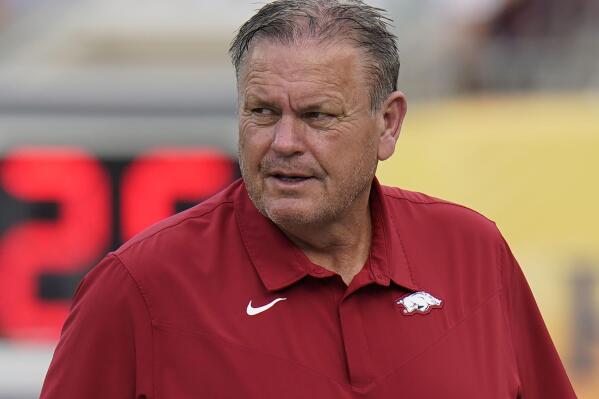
x=145 y=300
x=137 y=285
x=438 y=202
x=500 y=257
x=126 y=247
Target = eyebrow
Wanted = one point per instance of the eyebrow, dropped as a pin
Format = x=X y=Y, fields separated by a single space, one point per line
x=305 y=104
x=254 y=101
x=256 y=98
x=321 y=104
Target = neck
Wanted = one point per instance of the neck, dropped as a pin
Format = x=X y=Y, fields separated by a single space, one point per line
x=341 y=246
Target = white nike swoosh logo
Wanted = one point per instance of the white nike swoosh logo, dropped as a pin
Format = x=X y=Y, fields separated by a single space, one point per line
x=252 y=311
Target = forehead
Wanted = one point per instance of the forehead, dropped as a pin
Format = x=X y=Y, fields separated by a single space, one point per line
x=328 y=65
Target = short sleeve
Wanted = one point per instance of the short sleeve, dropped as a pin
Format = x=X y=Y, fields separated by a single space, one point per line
x=540 y=369
x=105 y=345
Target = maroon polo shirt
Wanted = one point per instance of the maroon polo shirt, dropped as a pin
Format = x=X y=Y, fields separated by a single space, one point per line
x=216 y=302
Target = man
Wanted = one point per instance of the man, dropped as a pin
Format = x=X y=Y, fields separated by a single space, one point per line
x=308 y=278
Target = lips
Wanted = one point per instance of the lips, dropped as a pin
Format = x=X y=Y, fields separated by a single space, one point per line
x=290 y=177
x=289 y=174
x=290 y=180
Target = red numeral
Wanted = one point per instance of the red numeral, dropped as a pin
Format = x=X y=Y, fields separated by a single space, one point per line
x=74 y=180
x=80 y=187
x=156 y=180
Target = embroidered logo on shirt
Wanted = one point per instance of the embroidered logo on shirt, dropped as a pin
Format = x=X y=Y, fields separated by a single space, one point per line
x=419 y=302
x=252 y=311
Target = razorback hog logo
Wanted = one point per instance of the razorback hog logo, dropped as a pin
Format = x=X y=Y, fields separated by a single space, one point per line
x=419 y=302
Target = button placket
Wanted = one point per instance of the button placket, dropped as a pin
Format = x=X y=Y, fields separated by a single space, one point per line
x=357 y=353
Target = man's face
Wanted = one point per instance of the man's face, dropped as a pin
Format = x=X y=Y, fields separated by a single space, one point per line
x=307 y=140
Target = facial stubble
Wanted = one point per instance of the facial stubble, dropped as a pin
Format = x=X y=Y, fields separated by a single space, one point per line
x=329 y=208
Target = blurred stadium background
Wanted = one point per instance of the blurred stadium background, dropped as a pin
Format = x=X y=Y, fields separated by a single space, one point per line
x=116 y=113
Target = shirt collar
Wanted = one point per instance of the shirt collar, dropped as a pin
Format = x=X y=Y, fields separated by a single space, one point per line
x=279 y=263
x=388 y=253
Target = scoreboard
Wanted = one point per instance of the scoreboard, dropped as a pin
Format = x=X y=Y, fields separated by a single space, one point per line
x=79 y=179
x=62 y=209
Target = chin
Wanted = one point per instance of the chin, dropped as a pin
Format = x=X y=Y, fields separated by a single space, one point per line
x=282 y=214
x=286 y=213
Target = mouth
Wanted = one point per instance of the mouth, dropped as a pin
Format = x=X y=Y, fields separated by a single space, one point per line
x=290 y=178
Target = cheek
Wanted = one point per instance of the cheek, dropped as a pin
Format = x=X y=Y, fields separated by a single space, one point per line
x=253 y=144
x=343 y=153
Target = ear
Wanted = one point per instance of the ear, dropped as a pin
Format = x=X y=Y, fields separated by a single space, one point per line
x=393 y=112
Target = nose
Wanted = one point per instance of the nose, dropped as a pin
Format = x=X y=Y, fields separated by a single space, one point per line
x=288 y=137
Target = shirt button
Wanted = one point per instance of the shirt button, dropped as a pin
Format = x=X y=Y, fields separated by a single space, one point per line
x=382 y=279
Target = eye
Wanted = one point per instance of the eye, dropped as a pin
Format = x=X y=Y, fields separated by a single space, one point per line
x=264 y=116
x=262 y=111
x=319 y=120
x=315 y=115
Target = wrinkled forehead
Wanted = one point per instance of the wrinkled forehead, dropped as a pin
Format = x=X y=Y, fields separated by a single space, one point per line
x=336 y=63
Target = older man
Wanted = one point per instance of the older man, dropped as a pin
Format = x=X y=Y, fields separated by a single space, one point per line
x=307 y=278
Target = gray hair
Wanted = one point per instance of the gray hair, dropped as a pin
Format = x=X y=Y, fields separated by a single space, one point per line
x=287 y=21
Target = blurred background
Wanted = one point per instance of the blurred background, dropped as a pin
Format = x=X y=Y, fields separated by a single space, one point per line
x=117 y=113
